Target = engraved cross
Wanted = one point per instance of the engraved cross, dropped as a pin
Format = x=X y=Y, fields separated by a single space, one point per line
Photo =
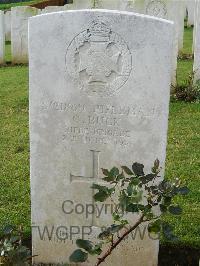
x=95 y=174
x=95 y=170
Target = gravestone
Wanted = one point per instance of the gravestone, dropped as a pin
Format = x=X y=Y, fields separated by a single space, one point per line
x=83 y=4
x=195 y=24
x=19 y=32
x=190 y=5
x=7 y=17
x=68 y=7
x=99 y=97
x=2 y=38
x=171 y=10
x=115 y=4
x=50 y=9
x=196 y=44
x=181 y=26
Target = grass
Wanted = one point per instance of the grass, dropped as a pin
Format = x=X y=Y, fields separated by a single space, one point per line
x=8 y=51
x=185 y=66
x=188 y=37
x=183 y=160
x=182 y=151
x=27 y=3
x=14 y=147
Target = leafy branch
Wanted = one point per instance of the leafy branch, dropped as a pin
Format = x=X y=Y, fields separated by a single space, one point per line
x=12 y=251
x=132 y=191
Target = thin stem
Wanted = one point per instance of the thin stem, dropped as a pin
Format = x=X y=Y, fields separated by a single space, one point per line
x=118 y=241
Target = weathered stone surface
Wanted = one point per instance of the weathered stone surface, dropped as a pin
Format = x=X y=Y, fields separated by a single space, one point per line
x=99 y=96
x=167 y=9
x=181 y=25
x=7 y=17
x=2 y=38
x=50 y=9
x=19 y=32
x=190 y=6
x=126 y=5
x=82 y=4
x=196 y=43
x=171 y=10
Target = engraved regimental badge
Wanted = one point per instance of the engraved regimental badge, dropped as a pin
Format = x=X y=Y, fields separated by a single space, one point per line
x=99 y=60
x=157 y=9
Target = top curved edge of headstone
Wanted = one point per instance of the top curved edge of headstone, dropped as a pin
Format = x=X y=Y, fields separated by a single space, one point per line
x=101 y=11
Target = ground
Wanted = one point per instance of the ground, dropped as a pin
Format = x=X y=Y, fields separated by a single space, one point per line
x=182 y=151
x=8 y=6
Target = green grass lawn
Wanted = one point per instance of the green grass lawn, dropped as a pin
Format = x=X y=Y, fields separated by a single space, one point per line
x=183 y=152
x=8 y=6
x=8 y=51
x=188 y=36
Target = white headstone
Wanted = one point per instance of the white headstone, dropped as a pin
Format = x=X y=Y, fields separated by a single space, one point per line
x=2 y=38
x=196 y=43
x=124 y=5
x=181 y=25
x=167 y=9
x=8 y=25
x=50 y=9
x=19 y=32
x=99 y=97
x=114 y=4
x=190 y=5
x=68 y=7
x=83 y=4
x=195 y=24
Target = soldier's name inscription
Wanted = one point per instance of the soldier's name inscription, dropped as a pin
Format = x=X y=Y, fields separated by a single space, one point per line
x=100 y=124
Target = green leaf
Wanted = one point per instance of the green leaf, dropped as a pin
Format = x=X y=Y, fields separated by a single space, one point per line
x=147 y=208
x=183 y=191
x=132 y=208
x=155 y=168
x=168 y=232
x=105 y=234
x=8 y=229
x=101 y=196
x=123 y=200
x=129 y=189
x=135 y=181
x=85 y=244
x=155 y=227
x=147 y=178
x=138 y=169
x=120 y=176
x=163 y=208
x=110 y=176
x=114 y=171
x=105 y=171
x=116 y=216
x=78 y=256
x=99 y=187
x=167 y=201
x=114 y=228
x=96 y=250
x=156 y=163
x=137 y=197
x=127 y=170
x=175 y=210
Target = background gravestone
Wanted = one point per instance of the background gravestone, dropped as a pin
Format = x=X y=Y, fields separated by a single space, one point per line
x=99 y=97
x=190 y=5
x=19 y=32
x=77 y=4
x=196 y=44
x=2 y=38
x=115 y=4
